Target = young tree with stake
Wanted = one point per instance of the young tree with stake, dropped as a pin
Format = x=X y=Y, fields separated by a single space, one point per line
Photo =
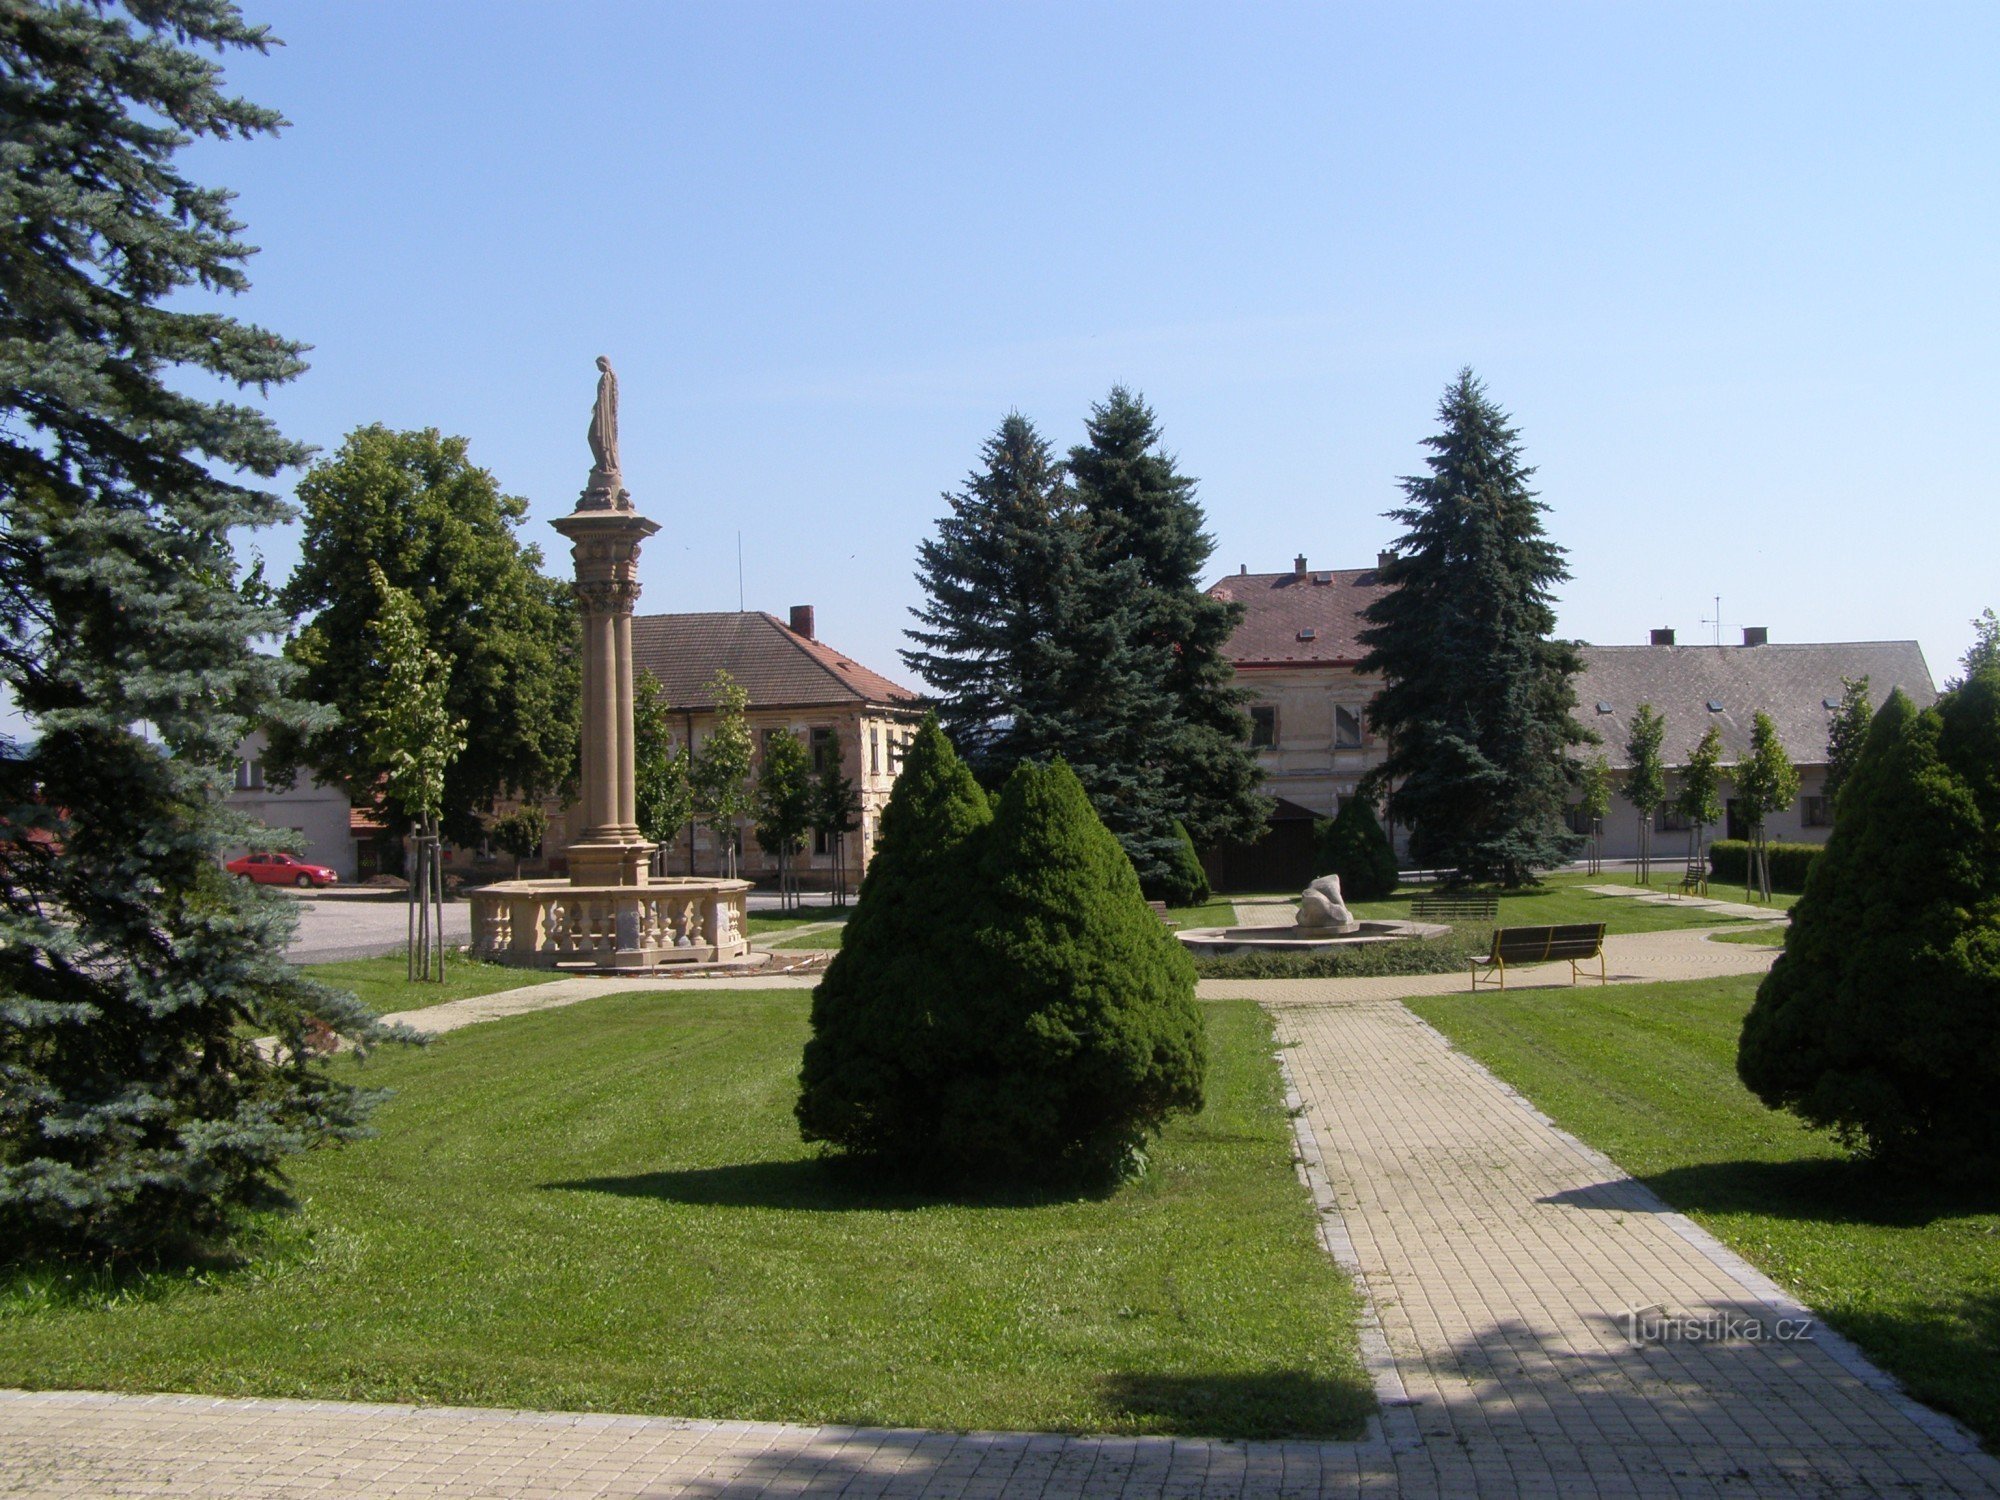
x=1646 y=780
x=1700 y=799
x=783 y=806
x=721 y=769
x=409 y=730
x=1766 y=782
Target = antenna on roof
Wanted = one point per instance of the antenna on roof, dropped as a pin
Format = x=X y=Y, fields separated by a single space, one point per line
x=1717 y=621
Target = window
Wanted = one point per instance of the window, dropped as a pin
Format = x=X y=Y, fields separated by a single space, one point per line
x=822 y=742
x=1346 y=728
x=1579 y=821
x=1263 y=727
x=1816 y=812
x=249 y=776
x=874 y=751
x=1668 y=819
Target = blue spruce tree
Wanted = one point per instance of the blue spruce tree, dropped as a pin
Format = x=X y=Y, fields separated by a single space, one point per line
x=135 y=1114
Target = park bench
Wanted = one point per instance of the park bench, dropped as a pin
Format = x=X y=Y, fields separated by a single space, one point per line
x=1443 y=908
x=1160 y=911
x=1579 y=942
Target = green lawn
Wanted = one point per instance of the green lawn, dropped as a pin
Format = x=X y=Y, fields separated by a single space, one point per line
x=1211 y=914
x=607 y=1207
x=382 y=983
x=1564 y=898
x=1647 y=1073
x=1759 y=935
x=781 y=921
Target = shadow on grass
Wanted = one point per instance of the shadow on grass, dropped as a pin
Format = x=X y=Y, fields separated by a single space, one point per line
x=1830 y=1190
x=832 y=1184
x=1251 y=1404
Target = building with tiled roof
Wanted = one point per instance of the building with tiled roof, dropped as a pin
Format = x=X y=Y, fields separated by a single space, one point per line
x=796 y=682
x=1297 y=651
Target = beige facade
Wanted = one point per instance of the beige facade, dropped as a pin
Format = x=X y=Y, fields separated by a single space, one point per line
x=317 y=814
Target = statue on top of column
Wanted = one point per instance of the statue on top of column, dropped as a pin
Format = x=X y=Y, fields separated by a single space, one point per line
x=604 y=420
x=606 y=489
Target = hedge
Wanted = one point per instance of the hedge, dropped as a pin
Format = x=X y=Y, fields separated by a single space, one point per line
x=1729 y=862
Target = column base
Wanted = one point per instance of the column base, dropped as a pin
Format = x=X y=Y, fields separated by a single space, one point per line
x=609 y=862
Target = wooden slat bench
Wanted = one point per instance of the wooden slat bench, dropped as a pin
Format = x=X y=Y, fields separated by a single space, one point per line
x=1160 y=911
x=1579 y=942
x=1439 y=908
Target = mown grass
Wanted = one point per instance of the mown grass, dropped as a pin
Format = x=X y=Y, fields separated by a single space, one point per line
x=1209 y=914
x=1564 y=898
x=384 y=986
x=784 y=921
x=1759 y=935
x=607 y=1207
x=1647 y=1073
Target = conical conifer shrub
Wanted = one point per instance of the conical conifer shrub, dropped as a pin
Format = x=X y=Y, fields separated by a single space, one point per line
x=1881 y=1021
x=1182 y=882
x=866 y=1083
x=1080 y=1035
x=1354 y=847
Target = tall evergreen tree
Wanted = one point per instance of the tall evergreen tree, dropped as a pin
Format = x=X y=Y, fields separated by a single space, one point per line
x=1476 y=695
x=1145 y=550
x=413 y=504
x=135 y=1113
x=999 y=582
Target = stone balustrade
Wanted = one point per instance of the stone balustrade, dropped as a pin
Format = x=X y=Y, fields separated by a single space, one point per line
x=547 y=924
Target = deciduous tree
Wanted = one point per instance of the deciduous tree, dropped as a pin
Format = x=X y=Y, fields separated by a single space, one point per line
x=783 y=805
x=662 y=770
x=413 y=504
x=1646 y=779
x=721 y=770
x=1766 y=782
x=1700 y=797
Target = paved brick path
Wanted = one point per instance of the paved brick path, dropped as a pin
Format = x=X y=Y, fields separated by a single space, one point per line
x=1496 y=1252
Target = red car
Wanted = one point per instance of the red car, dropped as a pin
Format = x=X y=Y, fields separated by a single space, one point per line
x=281 y=869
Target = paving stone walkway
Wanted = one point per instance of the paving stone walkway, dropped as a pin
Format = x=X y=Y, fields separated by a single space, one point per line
x=1499 y=1257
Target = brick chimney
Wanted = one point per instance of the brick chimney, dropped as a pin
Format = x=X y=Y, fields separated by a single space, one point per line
x=1383 y=559
x=1663 y=638
x=1299 y=566
x=802 y=620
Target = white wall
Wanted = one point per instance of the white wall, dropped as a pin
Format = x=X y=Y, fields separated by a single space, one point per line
x=317 y=812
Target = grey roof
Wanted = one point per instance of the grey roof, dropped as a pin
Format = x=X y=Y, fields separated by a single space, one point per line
x=779 y=669
x=1790 y=683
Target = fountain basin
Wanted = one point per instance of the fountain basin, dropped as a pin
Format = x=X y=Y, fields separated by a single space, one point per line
x=1296 y=939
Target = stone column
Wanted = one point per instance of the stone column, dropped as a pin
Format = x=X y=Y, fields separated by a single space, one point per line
x=606 y=544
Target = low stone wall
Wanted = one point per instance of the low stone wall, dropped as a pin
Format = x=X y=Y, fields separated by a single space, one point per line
x=547 y=924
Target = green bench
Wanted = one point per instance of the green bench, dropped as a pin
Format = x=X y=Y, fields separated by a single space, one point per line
x=1430 y=908
x=1578 y=942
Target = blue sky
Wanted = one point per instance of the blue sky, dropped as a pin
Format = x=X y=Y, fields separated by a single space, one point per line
x=1732 y=268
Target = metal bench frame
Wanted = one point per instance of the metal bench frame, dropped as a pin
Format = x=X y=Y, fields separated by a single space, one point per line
x=1577 y=942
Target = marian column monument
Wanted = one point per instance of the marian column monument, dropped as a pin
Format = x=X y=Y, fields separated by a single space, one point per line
x=609 y=915
x=605 y=532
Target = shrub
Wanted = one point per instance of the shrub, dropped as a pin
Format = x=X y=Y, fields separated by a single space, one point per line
x=1879 y=1020
x=1353 y=846
x=867 y=1081
x=1080 y=1035
x=1183 y=882
x=1729 y=862
x=1439 y=955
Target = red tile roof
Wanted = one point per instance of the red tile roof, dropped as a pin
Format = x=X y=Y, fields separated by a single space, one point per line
x=1291 y=619
x=779 y=669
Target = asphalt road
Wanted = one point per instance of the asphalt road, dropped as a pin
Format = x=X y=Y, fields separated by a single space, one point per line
x=334 y=927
